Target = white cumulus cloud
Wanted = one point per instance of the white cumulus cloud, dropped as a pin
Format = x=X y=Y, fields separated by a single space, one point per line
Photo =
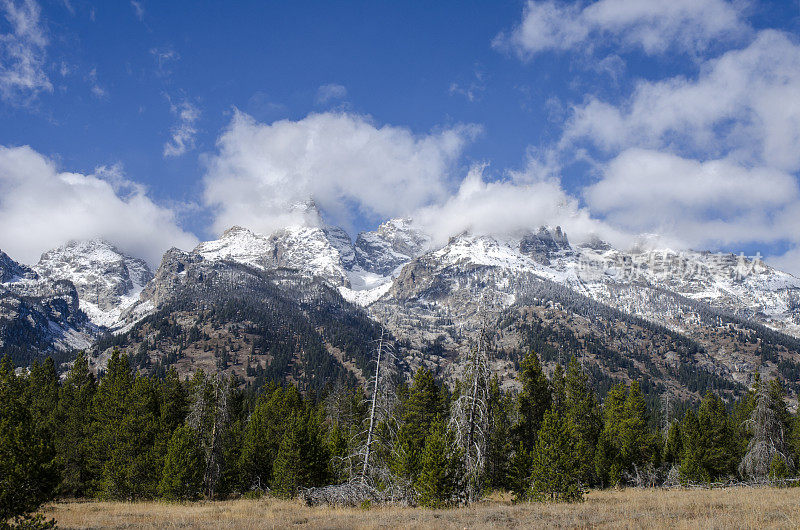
x=42 y=208
x=653 y=26
x=789 y=261
x=716 y=202
x=709 y=160
x=746 y=104
x=346 y=163
x=510 y=207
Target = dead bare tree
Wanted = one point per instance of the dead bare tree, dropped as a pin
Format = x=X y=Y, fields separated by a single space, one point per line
x=377 y=433
x=469 y=417
x=349 y=494
x=666 y=403
x=768 y=440
x=365 y=466
x=208 y=416
x=372 y=409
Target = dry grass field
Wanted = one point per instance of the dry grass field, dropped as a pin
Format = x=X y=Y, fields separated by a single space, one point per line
x=721 y=508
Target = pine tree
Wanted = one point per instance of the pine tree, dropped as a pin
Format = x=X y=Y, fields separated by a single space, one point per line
x=499 y=443
x=767 y=423
x=691 y=463
x=263 y=433
x=441 y=468
x=558 y=390
x=302 y=459
x=784 y=417
x=42 y=394
x=175 y=402
x=28 y=471
x=742 y=410
x=638 y=442
x=608 y=465
x=418 y=411
x=338 y=448
x=75 y=416
x=108 y=409
x=673 y=447
x=519 y=476
x=625 y=445
x=533 y=401
x=134 y=464
x=555 y=474
x=182 y=476
x=230 y=479
x=583 y=418
x=793 y=443
x=718 y=451
x=425 y=403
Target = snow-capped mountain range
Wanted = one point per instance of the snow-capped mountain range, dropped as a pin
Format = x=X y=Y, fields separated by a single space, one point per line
x=402 y=279
x=742 y=286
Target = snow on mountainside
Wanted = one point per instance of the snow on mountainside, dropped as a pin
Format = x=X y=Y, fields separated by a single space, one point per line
x=38 y=314
x=365 y=271
x=744 y=287
x=747 y=288
x=440 y=299
x=392 y=245
x=108 y=281
x=362 y=272
x=421 y=292
x=306 y=249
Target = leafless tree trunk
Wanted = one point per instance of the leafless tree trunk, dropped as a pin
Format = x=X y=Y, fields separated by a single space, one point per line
x=209 y=416
x=381 y=401
x=665 y=412
x=768 y=437
x=374 y=404
x=470 y=418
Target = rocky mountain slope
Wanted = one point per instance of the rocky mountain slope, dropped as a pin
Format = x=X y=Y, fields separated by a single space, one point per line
x=392 y=245
x=255 y=322
x=107 y=280
x=38 y=315
x=739 y=314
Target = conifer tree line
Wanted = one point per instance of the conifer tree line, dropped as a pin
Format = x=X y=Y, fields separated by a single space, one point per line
x=128 y=436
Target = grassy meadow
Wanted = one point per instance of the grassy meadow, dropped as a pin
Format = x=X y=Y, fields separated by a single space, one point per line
x=628 y=508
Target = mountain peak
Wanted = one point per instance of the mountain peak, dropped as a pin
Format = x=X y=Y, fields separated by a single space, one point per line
x=93 y=248
x=595 y=243
x=235 y=231
x=306 y=212
x=544 y=243
x=393 y=244
x=107 y=280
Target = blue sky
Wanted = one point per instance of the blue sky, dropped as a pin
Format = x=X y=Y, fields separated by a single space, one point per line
x=616 y=117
